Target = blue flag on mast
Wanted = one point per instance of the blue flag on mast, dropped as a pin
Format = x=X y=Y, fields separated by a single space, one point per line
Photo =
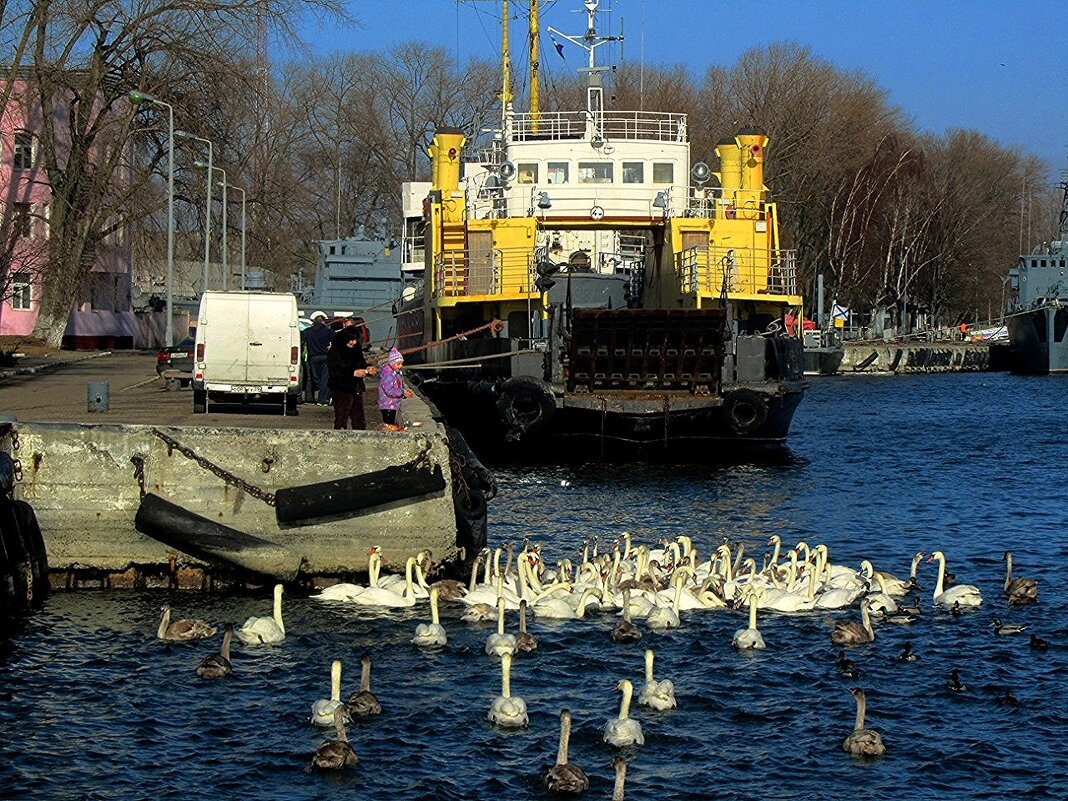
x=559 y=47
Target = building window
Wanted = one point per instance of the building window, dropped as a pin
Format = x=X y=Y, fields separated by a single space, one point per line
x=558 y=172
x=633 y=172
x=22 y=220
x=595 y=172
x=23 y=154
x=528 y=172
x=21 y=291
x=663 y=172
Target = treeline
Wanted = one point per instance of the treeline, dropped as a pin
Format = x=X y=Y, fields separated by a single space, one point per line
x=892 y=217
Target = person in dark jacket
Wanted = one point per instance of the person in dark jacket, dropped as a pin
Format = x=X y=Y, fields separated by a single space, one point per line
x=317 y=341
x=347 y=367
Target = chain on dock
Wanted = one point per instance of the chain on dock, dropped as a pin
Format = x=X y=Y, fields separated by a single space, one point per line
x=210 y=466
x=16 y=463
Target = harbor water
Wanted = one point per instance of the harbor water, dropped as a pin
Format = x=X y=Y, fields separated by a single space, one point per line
x=92 y=706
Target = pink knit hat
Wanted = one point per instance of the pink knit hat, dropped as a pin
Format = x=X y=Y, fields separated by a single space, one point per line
x=394 y=356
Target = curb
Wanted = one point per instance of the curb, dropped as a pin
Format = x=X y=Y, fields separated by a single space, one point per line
x=43 y=368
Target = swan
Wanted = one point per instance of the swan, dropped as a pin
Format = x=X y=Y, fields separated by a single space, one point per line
x=849 y=632
x=431 y=633
x=620 y=766
x=524 y=640
x=667 y=617
x=625 y=630
x=658 y=695
x=564 y=777
x=345 y=591
x=322 y=712
x=561 y=608
x=862 y=742
x=182 y=629
x=265 y=630
x=623 y=730
x=448 y=589
x=963 y=594
x=398 y=584
x=895 y=587
x=379 y=596
x=218 y=665
x=508 y=711
x=1021 y=590
x=799 y=600
x=335 y=754
x=750 y=638
x=499 y=643
x=880 y=603
x=363 y=702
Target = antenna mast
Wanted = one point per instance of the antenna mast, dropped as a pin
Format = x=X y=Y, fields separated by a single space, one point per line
x=589 y=42
x=533 y=23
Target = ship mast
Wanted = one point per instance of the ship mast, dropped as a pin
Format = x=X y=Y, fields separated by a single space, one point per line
x=533 y=30
x=506 y=64
x=590 y=41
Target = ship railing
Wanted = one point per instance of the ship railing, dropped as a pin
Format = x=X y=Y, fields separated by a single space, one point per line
x=718 y=270
x=735 y=204
x=550 y=201
x=656 y=126
x=500 y=271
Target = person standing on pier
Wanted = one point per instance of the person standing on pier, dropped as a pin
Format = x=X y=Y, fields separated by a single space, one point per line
x=347 y=368
x=391 y=389
x=317 y=341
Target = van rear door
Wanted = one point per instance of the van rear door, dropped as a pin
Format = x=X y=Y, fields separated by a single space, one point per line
x=271 y=325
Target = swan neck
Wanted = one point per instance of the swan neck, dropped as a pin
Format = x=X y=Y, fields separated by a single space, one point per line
x=865 y=618
x=409 y=589
x=1008 y=569
x=365 y=676
x=649 y=665
x=335 y=680
x=500 y=616
x=474 y=575
x=506 y=678
x=565 y=736
x=227 y=636
x=621 y=779
x=523 y=618
x=434 y=606
x=624 y=706
x=339 y=726
x=859 y=724
x=941 y=575
x=678 y=598
x=752 y=611
x=278 y=608
x=164 y=622
x=486 y=572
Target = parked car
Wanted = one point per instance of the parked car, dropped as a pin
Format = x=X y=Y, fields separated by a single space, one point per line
x=177 y=357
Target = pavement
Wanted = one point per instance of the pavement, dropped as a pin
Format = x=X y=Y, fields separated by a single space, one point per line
x=53 y=388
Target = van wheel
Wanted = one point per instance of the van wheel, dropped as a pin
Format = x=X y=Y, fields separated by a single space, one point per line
x=200 y=401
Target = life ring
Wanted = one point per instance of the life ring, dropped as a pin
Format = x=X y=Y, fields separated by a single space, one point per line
x=525 y=402
x=746 y=411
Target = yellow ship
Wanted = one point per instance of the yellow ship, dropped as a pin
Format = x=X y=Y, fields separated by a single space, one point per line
x=591 y=292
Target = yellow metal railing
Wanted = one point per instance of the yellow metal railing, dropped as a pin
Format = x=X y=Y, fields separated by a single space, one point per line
x=742 y=271
x=465 y=273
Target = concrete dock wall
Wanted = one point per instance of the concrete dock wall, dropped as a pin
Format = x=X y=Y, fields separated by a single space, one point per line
x=943 y=357
x=85 y=483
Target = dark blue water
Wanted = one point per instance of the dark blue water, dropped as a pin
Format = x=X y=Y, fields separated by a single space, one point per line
x=92 y=706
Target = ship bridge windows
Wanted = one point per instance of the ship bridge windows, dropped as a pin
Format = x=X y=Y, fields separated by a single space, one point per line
x=558 y=172
x=595 y=172
x=527 y=172
x=634 y=172
x=663 y=172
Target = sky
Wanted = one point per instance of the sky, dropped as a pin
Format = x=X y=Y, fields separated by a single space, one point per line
x=996 y=66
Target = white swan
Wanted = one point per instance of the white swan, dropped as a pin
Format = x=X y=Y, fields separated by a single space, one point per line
x=265 y=630
x=379 y=596
x=508 y=711
x=750 y=638
x=880 y=603
x=322 y=712
x=499 y=643
x=667 y=617
x=658 y=695
x=431 y=633
x=624 y=730
x=963 y=594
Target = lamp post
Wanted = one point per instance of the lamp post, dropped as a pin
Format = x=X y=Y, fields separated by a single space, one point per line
x=137 y=98
x=207 y=211
x=244 y=222
x=206 y=166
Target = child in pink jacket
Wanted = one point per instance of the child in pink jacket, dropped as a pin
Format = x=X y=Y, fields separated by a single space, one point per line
x=391 y=389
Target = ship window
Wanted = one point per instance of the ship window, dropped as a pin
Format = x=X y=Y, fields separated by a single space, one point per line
x=558 y=172
x=528 y=172
x=595 y=172
x=663 y=172
x=633 y=172
x=1043 y=262
x=333 y=250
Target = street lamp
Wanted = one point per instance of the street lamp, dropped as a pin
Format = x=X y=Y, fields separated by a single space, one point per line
x=137 y=98
x=207 y=211
x=244 y=223
x=201 y=165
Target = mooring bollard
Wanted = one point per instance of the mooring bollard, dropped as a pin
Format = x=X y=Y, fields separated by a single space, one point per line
x=99 y=396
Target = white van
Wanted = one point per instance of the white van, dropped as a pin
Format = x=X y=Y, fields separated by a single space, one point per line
x=247 y=350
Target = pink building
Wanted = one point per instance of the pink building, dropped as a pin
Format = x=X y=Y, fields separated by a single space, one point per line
x=101 y=316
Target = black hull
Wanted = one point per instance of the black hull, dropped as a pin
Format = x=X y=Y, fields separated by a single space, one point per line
x=823 y=361
x=1037 y=341
x=610 y=426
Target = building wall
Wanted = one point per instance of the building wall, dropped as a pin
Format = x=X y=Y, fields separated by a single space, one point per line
x=24 y=185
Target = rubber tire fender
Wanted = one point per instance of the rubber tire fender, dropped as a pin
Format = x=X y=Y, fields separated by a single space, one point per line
x=746 y=410
x=531 y=393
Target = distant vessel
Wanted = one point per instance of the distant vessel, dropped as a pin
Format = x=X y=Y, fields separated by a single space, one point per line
x=1038 y=321
x=586 y=291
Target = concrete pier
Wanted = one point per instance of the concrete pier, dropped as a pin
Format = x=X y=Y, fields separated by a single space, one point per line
x=915 y=357
x=86 y=473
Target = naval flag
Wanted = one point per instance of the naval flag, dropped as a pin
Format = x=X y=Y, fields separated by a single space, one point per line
x=559 y=47
x=839 y=315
